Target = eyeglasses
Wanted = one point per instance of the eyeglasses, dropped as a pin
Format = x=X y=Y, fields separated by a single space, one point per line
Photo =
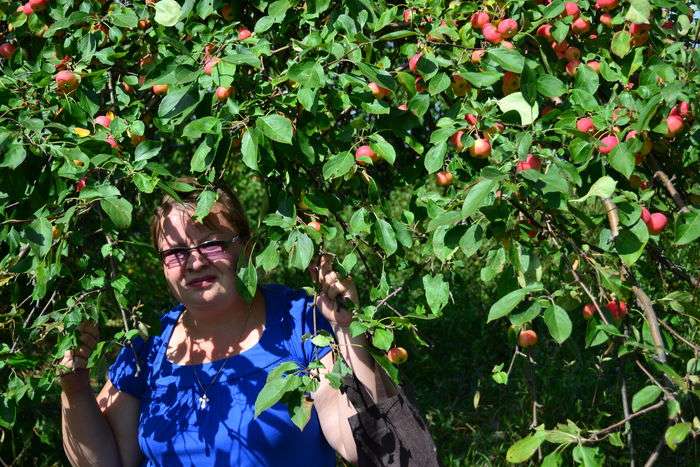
x=211 y=250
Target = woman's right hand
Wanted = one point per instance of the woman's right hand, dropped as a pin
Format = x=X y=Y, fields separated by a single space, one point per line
x=75 y=376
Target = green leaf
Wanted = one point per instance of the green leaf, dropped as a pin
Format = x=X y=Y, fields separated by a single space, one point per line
x=269 y=258
x=508 y=59
x=145 y=183
x=301 y=412
x=176 y=102
x=558 y=323
x=676 y=434
x=382 y=338
x=507 y=303
x=195 y=129
x=437 y=292
x=39 y=234
x=14 y=156
x=247 y=280
x=477 y=195
x=588 y=456
x=203 y=156
x=482 y=79
x=338 y=165
x=515 y=101
x=275 y=387
x=383 y=148
x=586 y=79
x=146 y=150
x=645 y=396
x=358 y=224
x=8 y=413
x=550 y=86
x=277 y=128
x=622 y=159
x=621 y=43
x=689 y=230
x=435 y=157
x=249 y=150
x=205 y=201
x=438 y=83
x=523 y=449
x=384 y=234
x=124 y=17
x=302 y=250
x=639 y=12
x=631 y=242
x=167 y=12
x=118 y=210
x=604 y=187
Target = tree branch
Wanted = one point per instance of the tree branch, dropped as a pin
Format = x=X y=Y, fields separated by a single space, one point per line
x=645 y=304
x=613 y=218
x=661 y=176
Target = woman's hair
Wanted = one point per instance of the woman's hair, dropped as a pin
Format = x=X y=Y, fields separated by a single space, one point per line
x=232 y=209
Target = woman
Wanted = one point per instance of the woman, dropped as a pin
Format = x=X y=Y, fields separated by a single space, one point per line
x=187 y=396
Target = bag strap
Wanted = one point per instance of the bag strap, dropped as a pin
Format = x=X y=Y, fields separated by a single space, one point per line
x=356 y=392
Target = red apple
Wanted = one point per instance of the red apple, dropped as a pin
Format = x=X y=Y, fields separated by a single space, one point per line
x=532 y=162
x=560 y=48
x=397 y=355
x=407 y=14
x=545 y=31
x=606 y=20
x=244 y=33
x=608 y=143
x=223 y=93
x=572 y=53
x=159 y=89
x=460 y=86
x=144 y=24
x=491 y=33
x=585 y=125
x=511 y=82
x=80 y=184
x=443 y=178
x=593 y=65
x=640 y=39
x=38 y=5
x=497 y=127
x=480 y=19
x=111 y=141
x=456 y=140
x=103 y=120
x=226 y=12
x=571 y=67
x=481 y=148
x=7 y=50
x=507 y=28
x=645 y=216
x=683 y=109
x=637 y=29
x=606 y=5
x=674 y=124
x=413 y=62
x=316 y=225
x=210 y=64
x=527 y=338
x=588 y=311
x=477 y=54
x=618 y=309
x=365 y=151
x=66 y=81
x=571 y=9
x=26 y=9
x=378 y=91
x=403 y=107
x=580 y=26
x=657 y=223
x=471 y=118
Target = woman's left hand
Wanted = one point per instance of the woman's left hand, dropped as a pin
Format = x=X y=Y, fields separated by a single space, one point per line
x=334 y=290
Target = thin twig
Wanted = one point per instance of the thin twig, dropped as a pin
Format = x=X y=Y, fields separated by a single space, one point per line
x=614 y=426
x=645 y=304
x=656 y=452
x=666 y=182
x=626 y=411
x=679 y=337
x=384 y=300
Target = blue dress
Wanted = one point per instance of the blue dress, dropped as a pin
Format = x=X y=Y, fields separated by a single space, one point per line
x=174 y=431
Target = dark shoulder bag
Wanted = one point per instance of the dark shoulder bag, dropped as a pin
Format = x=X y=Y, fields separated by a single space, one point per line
x=390 y=432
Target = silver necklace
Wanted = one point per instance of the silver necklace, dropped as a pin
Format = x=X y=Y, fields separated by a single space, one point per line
x=203 y=398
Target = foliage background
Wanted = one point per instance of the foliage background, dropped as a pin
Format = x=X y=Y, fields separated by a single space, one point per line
x=285 y=141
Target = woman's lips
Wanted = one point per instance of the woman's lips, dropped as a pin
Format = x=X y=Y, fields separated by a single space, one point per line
x=201 y=282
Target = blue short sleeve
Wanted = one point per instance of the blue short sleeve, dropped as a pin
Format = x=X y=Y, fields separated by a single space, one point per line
x=303 y=311
x=124 y=373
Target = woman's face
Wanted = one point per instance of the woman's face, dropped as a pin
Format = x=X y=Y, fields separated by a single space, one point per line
x=200 y=280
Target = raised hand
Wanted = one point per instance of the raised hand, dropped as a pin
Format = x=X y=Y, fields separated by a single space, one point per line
x=75 y=373
x=334 y=291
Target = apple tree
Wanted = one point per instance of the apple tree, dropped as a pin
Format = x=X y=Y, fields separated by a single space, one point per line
x=527 y=167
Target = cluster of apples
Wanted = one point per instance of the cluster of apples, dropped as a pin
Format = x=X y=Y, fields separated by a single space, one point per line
x=33 y=5
x=495 y=32
x=617 y=308
x=675 y=121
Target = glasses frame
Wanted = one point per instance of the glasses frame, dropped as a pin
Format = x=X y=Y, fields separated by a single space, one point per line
x=188 y=250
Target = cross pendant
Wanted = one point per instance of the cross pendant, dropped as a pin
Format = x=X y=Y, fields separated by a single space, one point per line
x=203 y=399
